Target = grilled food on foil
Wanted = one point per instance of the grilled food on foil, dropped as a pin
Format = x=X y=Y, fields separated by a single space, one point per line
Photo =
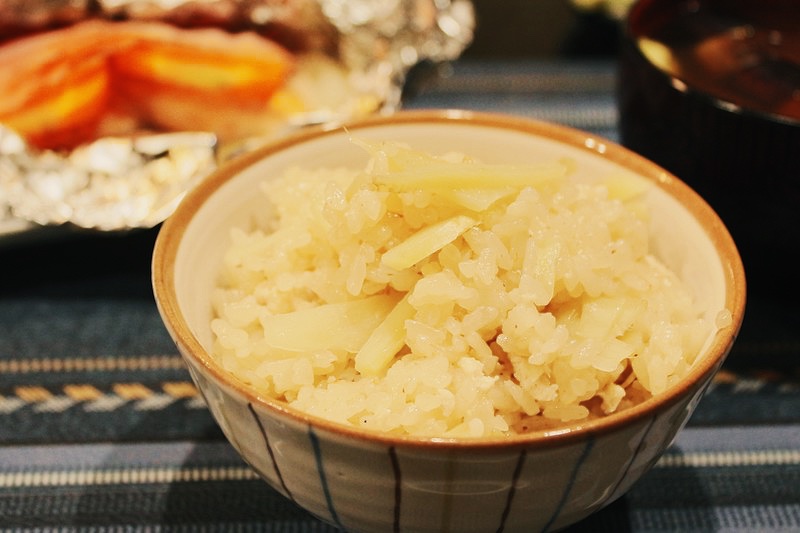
x=85 y=84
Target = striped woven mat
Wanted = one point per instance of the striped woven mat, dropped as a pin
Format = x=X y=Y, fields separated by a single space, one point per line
x=101 y=428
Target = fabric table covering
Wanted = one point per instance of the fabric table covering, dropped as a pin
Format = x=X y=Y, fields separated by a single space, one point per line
x=102 y=430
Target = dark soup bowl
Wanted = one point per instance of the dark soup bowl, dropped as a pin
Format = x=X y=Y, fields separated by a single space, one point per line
x=710 y=90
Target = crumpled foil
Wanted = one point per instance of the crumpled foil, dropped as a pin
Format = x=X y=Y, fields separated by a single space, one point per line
x=122 y=183
x=110 y=184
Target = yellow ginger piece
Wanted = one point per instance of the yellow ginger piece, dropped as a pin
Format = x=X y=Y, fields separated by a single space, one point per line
x=338 y=326
x=426 y=241
x=385 y=341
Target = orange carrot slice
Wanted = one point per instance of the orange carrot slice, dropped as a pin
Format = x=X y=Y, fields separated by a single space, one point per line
x=210 y=64
x=54 y=86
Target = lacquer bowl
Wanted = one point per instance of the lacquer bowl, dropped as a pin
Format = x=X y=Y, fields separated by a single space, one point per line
x=708 y=89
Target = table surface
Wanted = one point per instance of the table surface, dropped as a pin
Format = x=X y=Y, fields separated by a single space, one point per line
x=101 y=428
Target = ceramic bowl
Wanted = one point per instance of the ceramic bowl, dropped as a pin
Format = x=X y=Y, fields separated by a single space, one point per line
x=709 y=89
x=362 y=481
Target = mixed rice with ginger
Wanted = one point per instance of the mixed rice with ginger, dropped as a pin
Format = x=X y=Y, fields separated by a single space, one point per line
x=441 y=296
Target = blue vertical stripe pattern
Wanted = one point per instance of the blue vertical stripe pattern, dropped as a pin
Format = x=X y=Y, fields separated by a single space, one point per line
x=447 y=505
x=270 y=451
x=568 y=489
x=513 y=490
x=398 y=489
x=323 y=480
x=634 y=455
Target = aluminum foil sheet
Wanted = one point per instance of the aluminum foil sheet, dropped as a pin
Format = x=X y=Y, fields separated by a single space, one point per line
x=109 y=184
x=119 y=183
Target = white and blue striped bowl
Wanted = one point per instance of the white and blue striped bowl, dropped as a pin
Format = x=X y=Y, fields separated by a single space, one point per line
x=367 y=482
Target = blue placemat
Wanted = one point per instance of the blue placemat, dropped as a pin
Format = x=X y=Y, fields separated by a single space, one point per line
x=102 y=430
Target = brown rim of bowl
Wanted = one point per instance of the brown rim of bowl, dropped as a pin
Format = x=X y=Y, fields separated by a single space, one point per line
x=169 y=237
x=630 y=37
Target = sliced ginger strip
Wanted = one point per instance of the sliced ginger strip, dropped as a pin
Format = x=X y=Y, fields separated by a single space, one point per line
x=337 y=326
x=426 y=241
x=385 y=341
x=408 y=170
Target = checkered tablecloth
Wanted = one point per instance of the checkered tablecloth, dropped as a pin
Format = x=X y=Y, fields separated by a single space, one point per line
x=102 y=430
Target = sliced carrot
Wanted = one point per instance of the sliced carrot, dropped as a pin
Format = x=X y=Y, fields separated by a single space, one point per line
x=243 y=69
x=58 y=86
x=67 y=117
x=54 y=86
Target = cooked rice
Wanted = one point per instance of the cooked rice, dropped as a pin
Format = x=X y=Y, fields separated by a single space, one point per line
x=546 y=308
